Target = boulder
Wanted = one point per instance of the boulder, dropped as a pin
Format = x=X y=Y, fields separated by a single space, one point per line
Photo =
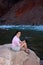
x=10 y=57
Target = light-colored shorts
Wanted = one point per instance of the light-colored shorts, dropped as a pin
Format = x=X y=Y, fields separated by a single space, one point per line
x=17 y=48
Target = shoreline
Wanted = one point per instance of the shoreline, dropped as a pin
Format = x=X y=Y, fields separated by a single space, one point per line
x=41 y=62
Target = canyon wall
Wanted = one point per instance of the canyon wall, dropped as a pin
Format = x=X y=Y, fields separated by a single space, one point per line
x=24 y=12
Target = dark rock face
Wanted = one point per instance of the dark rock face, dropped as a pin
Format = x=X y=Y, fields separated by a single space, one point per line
x=24 y=12
x=5 y=5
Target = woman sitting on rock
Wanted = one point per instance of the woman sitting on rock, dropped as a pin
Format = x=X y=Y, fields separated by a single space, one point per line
x=17 y=44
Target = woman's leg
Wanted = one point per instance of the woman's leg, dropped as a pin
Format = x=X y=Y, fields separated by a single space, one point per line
x=24 y=45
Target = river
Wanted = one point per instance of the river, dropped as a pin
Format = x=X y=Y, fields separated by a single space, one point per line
x=33 y=34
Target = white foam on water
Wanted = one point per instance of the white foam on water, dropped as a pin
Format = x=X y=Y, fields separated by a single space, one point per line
x=31 y=27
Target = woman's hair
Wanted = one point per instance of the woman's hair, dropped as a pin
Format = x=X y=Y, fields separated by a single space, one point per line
x=25 y=40
x=17 y=32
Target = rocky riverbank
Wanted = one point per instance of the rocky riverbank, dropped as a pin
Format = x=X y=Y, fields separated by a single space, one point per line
x=9 y=57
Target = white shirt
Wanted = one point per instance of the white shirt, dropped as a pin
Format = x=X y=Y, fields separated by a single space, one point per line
x=15 y=41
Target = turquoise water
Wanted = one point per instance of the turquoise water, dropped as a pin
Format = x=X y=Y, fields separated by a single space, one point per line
x=23 y=27
x=33 y=34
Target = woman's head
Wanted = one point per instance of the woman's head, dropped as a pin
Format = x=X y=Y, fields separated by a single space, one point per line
x=18 y=33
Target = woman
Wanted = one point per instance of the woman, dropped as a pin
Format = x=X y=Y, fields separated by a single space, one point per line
x=17 y=44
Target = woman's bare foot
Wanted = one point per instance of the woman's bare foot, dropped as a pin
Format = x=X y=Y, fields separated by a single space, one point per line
x=27 y=50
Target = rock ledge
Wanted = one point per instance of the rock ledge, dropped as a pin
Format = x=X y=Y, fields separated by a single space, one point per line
x=9 y=57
